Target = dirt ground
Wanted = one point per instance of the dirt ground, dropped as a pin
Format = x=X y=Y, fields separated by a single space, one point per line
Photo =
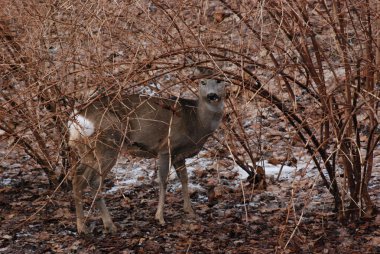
x=294 y=215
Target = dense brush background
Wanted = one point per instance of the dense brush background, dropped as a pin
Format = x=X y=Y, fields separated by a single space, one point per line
x=303 y=92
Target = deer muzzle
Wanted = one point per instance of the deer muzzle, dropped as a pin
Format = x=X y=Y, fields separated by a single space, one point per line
x=213 y=97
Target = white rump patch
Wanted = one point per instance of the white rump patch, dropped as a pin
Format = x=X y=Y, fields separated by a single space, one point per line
x=81 y=126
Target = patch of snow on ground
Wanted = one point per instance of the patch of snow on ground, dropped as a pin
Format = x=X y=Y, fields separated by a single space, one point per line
x=287 y=172
x=128 y=173
x=5 y=182
x=273 y=170
x=151 y=89
x=270 y=170
x=193 y=187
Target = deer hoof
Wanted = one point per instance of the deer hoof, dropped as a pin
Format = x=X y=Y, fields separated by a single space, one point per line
x=82 y=230
x=110 y=229
x=191 y=215
x=160 y=219
x=189 y=211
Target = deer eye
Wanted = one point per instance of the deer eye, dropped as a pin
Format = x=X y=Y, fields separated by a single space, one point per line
x=203 y=82
x=218 y=81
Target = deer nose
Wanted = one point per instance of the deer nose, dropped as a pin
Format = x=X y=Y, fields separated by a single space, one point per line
x=213 y=97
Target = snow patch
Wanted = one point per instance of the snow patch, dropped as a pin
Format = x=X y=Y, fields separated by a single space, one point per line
x=274 y=170
x=128 y=174
x=151 y=89
x=193 y=187
x=5 y=182
x=270 y=170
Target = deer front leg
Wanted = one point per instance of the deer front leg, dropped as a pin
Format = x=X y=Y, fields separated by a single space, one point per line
x=181 y=170
x=163 y=171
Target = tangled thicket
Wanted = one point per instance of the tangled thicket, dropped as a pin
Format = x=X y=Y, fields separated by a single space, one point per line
x=316 y=62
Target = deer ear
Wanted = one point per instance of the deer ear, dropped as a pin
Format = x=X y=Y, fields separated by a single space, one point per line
x=203 y=72
x=198 y=71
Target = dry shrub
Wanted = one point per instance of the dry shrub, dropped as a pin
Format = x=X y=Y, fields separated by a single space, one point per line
x=315 y=62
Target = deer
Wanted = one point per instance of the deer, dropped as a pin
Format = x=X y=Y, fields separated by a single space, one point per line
x=170 y=129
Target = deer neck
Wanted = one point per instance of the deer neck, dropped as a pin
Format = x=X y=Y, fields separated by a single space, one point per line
x=209 y=116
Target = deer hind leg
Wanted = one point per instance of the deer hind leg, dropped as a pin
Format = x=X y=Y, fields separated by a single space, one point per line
x=163 y=171
x=91 y=171
x=105 y=159
x=97 y=187
x=90 y=176
x=181 y=170
x=80 y=181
